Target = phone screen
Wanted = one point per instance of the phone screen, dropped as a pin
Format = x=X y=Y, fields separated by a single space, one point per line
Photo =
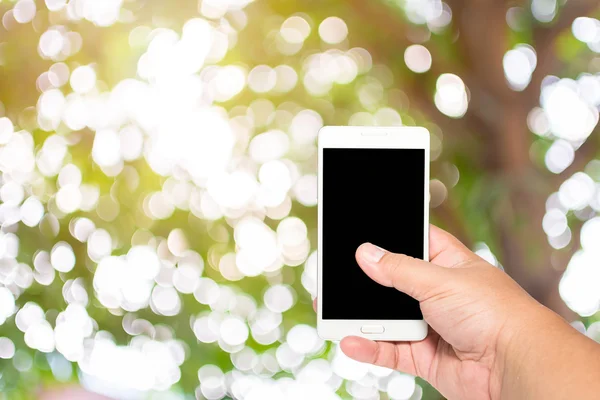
x=376 y=196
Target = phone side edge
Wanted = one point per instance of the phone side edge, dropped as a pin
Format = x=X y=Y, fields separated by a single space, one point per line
x=322 y=132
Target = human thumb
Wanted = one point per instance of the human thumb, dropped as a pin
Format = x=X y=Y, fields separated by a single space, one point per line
x=417 y=278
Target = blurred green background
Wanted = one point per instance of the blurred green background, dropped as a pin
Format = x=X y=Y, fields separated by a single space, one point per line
x=158 y=188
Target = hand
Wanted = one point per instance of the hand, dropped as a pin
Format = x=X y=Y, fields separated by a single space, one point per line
x=474 y=311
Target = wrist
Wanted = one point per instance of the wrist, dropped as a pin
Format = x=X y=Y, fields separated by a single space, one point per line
x=519 y=344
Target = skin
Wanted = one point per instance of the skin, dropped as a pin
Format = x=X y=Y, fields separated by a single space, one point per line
x=488 y=339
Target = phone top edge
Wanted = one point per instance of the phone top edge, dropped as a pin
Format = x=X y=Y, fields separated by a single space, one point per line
x=374 y=137
x=326 y=129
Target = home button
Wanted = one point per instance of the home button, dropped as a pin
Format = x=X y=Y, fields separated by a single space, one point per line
x=372 y=329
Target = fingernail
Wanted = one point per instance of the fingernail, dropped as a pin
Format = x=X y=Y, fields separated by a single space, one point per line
x=372 y=253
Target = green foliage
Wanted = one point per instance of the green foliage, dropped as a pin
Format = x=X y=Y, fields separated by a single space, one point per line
x=479 y=190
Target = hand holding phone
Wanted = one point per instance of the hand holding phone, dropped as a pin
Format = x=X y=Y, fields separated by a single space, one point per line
x=485 y=339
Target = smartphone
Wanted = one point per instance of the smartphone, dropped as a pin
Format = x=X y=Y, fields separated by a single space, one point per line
x=373 y=186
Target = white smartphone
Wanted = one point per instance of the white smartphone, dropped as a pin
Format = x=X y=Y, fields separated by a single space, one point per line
x=373 y=187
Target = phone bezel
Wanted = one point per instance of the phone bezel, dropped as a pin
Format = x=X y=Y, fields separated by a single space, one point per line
x=371 y=137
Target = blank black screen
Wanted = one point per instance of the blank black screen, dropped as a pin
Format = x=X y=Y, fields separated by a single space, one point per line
x=377 y=196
